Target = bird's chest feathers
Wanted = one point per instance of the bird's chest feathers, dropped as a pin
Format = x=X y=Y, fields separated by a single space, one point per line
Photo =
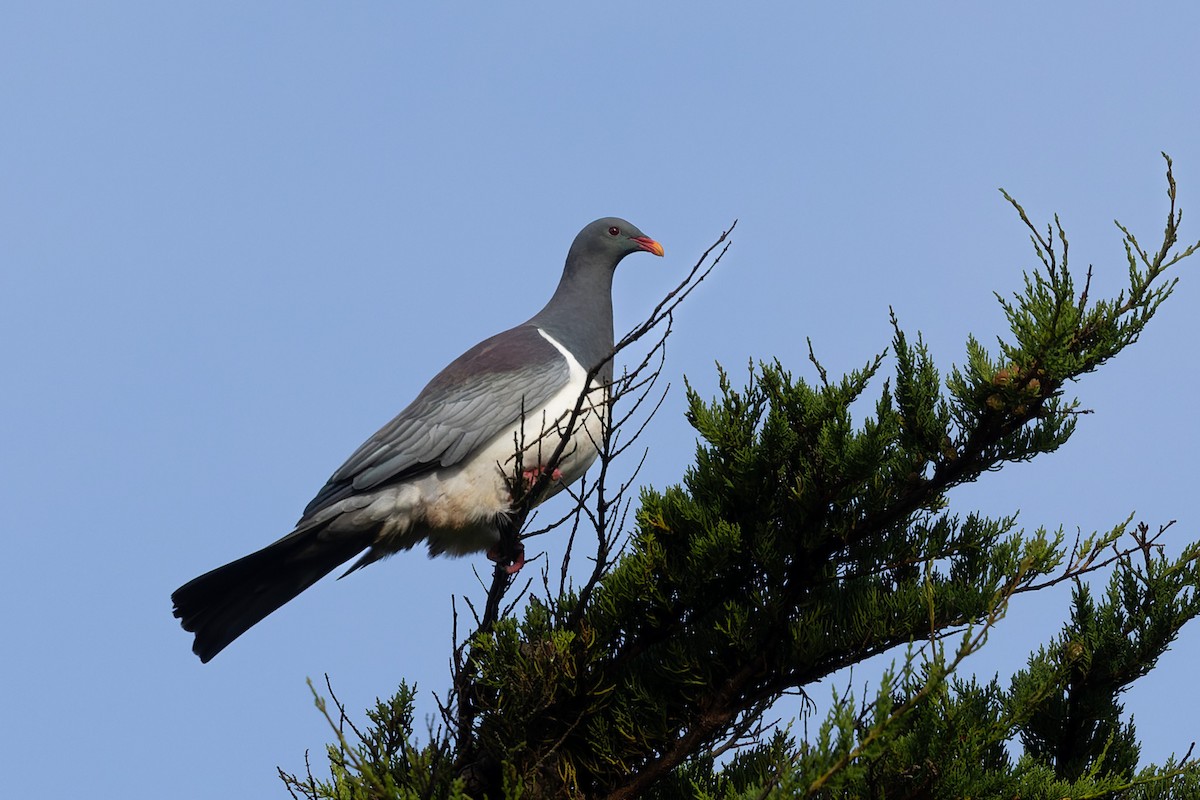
x=455 y=509
x=562 y=435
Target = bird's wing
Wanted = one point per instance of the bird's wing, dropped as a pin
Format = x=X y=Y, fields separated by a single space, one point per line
x=480 y=394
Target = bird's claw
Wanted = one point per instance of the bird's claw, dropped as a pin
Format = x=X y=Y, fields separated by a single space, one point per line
x=514 y=563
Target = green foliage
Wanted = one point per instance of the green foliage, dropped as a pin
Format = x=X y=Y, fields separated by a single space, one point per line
x=801 y=542
x=1103 y=649
x=384 y=762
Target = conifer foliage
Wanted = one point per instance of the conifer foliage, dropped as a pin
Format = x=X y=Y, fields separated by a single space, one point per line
x=801 y=542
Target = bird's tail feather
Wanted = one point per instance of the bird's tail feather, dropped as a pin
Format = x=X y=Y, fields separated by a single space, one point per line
x=221 y=605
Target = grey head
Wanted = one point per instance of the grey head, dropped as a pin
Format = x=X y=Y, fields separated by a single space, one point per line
x=579 y=315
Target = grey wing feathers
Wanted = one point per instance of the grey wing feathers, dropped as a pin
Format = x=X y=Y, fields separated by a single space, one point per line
x=470 y=402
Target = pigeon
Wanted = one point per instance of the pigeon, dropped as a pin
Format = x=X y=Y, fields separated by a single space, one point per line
x=445 y=469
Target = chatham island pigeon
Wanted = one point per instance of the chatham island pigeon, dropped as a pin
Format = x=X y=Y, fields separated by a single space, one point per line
x=442 y=471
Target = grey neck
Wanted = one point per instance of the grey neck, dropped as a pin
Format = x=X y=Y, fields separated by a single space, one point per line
x=579 y=315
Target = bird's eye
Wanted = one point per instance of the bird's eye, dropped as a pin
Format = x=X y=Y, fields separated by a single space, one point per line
x=614 y=230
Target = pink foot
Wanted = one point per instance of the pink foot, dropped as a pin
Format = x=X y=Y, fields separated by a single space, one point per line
x=531 y=475
x=513 y=567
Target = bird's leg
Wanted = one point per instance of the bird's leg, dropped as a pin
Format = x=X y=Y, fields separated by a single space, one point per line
x=515 y=561
x=518 y=562
x=531 y=475
x=512 y=556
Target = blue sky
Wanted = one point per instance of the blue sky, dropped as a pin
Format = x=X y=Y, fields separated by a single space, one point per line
x=237 y=238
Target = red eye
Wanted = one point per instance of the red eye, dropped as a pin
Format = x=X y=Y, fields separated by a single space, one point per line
x=614 y=230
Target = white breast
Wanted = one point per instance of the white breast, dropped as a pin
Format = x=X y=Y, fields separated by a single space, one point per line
x=454 y=509
x=552 y=422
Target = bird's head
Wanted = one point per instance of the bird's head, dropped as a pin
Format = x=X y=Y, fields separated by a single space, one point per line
x=609 y=239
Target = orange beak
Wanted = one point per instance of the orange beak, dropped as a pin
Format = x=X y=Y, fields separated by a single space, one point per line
x=649 y=245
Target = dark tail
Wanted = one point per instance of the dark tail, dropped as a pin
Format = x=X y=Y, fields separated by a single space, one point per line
x=221 y=605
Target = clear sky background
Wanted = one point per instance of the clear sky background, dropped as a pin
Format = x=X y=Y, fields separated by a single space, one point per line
x=237 y=238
